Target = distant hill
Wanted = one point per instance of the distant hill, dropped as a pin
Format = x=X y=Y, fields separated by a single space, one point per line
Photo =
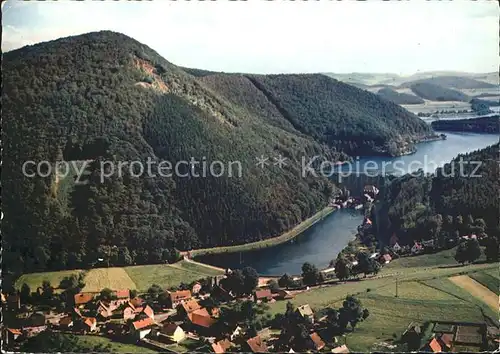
x=461 y=78
x=105 y=97
x=457 y=82
x=471 y=125
x=399 y=98
x=435 y=92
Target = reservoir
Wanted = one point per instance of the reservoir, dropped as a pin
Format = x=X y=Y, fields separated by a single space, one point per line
x=324 y=240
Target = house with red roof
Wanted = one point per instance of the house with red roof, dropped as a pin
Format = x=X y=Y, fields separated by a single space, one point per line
x=263 y=295
x=433 y=346
x=177 y=297
x=142 y=328
x=89 y=324
x=316 y=341
x=10 y=336
x=82 y=299
x=221 y=346
x=257 y=345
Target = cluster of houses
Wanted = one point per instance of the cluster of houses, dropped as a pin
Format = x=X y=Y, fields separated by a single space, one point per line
x=179 y=317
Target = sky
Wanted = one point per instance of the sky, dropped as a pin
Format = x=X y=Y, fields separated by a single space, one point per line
x=280 y=36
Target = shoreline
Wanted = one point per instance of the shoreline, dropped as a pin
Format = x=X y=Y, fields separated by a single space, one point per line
x=267 y=243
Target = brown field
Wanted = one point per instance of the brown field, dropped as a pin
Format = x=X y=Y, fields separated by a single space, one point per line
x=477 y=290
x=113 y=278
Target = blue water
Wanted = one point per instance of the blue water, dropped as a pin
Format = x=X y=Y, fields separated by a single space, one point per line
x=323 y=241
x=429 y=155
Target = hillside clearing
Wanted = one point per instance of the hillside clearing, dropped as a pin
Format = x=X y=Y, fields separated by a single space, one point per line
x=477 y=290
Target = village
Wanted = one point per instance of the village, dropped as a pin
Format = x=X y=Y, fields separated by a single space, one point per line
x=223 y=313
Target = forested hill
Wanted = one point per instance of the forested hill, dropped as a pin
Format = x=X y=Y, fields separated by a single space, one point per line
x=475 y=125
x=448 y=204
x=105 y=97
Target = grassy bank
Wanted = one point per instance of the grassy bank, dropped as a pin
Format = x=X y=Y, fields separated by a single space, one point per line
x=270 y=242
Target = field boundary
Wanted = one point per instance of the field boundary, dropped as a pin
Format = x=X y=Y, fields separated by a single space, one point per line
x=477 y=290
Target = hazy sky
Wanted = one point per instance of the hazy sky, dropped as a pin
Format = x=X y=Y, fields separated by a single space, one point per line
x=280 y=36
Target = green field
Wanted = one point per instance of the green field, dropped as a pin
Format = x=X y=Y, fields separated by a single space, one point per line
x=135 y=277
x=34 y=280
x=167 y=275
x=489 y=279
x=270 y=242
x=116 y=347
x=424 y=294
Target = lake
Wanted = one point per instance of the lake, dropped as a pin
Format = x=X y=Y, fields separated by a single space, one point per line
x=318 y=245
x=323 y=241
x=429 y=155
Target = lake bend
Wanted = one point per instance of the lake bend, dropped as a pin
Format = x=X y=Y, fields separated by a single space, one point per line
x=324 y=240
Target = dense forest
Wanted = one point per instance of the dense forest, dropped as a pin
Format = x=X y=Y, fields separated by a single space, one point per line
x=435 y=92
x=449 y=203
x=474 y=125
x=103 y=97
x=398 y=97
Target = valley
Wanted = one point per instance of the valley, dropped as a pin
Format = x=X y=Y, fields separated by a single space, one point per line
x=223 y=179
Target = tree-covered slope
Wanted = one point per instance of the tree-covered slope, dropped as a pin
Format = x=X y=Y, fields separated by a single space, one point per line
x=103 y=97
x=340 y=115
x=399 y=98
x=439 y=206
x=473 y=125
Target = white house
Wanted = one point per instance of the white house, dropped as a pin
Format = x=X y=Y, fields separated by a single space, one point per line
x=396 y=247
x=142 y=328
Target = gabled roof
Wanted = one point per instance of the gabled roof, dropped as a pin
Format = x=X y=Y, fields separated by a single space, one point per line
x=386 y=257
x=90 y=321
x=190 y=306
x=83 y=298
x=446 y=339
x=318 y=342
x=202 y=318
x=123 y=294
x=263 y=294
x=305 y=310
x=435 y=346
x=148 y=311
x=221 y=346
x=15 y=331
x=342 y=349
x=169 y=328
x=141 y=324
x=180 y=295
x=65 y=321
x=257 y=345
